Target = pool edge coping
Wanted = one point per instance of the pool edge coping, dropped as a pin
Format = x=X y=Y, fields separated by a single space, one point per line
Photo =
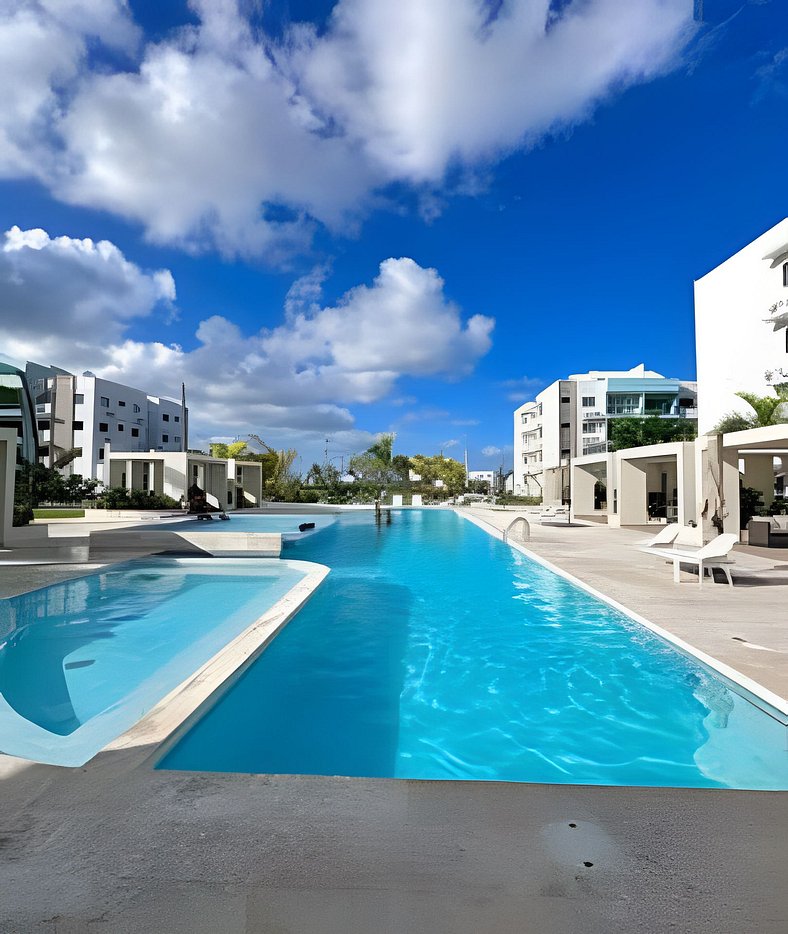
x=151 y=737
x=742 y=681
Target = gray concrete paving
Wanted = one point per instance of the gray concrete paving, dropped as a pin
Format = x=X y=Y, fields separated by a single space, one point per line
x=119 y=847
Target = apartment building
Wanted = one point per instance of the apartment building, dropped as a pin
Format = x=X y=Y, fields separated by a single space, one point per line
x=79 y=417
x=571 y=418
x=741 y=339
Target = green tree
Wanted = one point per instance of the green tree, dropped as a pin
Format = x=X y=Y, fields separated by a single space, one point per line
x=236 y=449
x=375 y=466
x=438 y=467
x=637 y=432
x=766 y=410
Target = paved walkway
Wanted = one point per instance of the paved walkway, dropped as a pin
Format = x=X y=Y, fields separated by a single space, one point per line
x=745 y=627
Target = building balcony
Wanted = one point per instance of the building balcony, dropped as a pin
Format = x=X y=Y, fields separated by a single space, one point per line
x=597 y=447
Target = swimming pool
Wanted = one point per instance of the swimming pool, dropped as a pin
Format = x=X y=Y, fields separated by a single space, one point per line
x=435 y=651
x=287 y=524
x=83 y=660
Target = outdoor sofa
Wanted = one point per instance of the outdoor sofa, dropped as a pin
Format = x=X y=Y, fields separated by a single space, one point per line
x=768 y=531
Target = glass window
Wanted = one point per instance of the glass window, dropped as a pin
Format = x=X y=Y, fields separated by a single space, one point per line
x=121 y=426
x=785 y=274
x=165 y=417
x=176 y=439
x=79 y=426
x=43 y=426
x=121 y=402
x=104 y=400
x=565 y=399
x=79 y=398
x=103 y=426
x=101 y=454
x=589 y=401
x=135 y=408
x=165 y=438
x=177 y=418
x=135 y=432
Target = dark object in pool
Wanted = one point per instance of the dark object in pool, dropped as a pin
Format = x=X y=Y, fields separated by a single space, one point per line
x=306 y=525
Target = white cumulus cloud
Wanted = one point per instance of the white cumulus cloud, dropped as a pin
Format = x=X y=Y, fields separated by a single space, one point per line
x=218 y=136
x=70 y=302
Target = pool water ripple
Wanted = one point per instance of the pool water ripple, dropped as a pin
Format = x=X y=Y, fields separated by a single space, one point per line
x=435 y=651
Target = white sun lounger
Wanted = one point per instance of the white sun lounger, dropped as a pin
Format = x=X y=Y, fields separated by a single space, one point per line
x=710 y=556
x=666 y=536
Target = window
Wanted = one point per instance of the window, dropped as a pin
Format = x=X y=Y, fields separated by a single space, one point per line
x=176 y=439
x=101 y=454
x=590 y=428
x=79 y=398
x=43 y=426
x=103 y=426
x=121 y=402
x=165 y=417
x=135 y=432
x=165 y=438
x=177 y=418
x=135 y=408
x=565 y=399
x=785 y=274
x=589 y=401
x=79 y=426
x=121 y=426
x=104 y=400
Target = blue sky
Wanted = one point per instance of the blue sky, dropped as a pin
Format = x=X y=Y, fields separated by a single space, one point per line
x=540 y=182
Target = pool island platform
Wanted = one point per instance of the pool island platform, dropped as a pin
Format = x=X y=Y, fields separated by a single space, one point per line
x=119 y=846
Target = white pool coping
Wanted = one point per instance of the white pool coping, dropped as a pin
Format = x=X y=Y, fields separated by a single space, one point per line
x=750 y=689
x=173 y=715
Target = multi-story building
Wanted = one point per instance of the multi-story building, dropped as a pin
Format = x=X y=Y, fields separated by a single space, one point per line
x=79 y=416
x=741 y=341
x=571 y=418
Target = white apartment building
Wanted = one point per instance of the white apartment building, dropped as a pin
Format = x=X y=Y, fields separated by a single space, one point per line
x=570 y=418
x=486 y=476
x=78 y=417
x=741 y=341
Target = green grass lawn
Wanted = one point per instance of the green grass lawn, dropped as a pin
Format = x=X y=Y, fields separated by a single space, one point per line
x=58 y=513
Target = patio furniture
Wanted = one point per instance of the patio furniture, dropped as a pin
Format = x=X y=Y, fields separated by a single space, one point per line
x=768 y=531
x=715 y=554
x=665 y=536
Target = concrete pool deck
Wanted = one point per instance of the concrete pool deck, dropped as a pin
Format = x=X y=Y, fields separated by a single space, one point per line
x=119 y=847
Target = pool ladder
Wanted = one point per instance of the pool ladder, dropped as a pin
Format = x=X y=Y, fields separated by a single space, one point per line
x=518 y=530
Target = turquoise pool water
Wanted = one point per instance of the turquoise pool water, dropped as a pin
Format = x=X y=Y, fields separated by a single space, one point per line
x=256 y=522
x=434 y=651
x=83 y=660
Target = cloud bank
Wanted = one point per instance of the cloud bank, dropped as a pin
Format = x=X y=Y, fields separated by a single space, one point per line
x=222 y=137
x=70 y=302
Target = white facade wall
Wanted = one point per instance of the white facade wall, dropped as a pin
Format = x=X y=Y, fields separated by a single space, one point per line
x=735 y=344
x=108 y=414
x=574 y=422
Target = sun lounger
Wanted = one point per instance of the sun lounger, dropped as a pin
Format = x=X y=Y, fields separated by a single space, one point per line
x=554 y=512
x=666 y=536
x=713 y=555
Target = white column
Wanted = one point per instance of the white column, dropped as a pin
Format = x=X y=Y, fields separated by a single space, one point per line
x=129 y=465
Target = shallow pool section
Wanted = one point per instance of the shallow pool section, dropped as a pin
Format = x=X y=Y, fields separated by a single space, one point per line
x=287 y=524
x=434 y=651
x=83 y=660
